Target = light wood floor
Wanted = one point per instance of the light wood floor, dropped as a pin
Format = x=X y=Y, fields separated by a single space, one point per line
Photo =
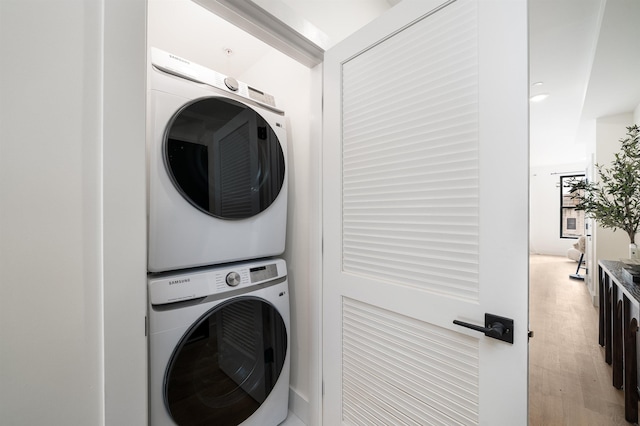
x=569 y=381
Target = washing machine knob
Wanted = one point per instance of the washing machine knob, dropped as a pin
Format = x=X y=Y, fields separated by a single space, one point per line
x=233 y=279
x=231 y=83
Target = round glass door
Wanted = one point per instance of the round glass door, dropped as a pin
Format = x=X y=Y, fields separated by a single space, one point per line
x=224 y=158
x=226 y=365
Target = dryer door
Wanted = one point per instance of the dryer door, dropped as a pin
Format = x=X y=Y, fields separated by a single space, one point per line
x=224 y=158
x=226 y=365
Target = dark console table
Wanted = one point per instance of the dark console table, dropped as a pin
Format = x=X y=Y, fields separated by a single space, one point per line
x=619 y=298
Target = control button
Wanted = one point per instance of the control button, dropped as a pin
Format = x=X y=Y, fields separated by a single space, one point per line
x=231 y=83
x=233 y=279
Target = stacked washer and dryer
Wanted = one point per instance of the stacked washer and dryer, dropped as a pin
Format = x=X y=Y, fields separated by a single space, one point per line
x=217 y=204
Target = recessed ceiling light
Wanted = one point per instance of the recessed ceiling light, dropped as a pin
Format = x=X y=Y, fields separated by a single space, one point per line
x=538 y=98
x=537 y=83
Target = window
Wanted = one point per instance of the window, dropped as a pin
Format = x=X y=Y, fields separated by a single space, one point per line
x=571 y=220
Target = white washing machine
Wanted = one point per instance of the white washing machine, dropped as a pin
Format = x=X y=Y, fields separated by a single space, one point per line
x=217 y=175
x=218 y=346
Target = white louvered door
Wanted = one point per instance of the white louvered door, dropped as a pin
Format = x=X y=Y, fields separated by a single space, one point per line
x=425 y=216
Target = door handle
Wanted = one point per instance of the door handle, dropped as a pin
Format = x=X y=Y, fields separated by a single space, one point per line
x=497 y=327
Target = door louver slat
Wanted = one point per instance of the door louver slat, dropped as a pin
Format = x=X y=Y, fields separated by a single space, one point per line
x=398 y=370
x=410 y=174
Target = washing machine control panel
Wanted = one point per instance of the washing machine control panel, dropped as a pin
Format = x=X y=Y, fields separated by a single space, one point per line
x=183 y=286
x=263 y=273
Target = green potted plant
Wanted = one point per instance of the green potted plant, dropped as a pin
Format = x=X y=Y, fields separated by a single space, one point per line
x=614 y=200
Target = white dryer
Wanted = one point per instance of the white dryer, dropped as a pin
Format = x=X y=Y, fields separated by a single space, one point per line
x=218 y=346
x=217 y=175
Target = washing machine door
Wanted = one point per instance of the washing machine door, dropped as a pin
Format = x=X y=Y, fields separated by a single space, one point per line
x=224 y=158
x=226 y=365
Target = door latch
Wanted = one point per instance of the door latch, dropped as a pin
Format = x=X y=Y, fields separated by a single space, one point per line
x=497 y=327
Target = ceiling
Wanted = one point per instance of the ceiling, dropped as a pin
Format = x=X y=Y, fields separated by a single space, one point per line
x=340 y=18
x=585 y=53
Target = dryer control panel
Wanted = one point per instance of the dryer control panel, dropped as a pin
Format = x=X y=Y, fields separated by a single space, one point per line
x=181 y=67
x=218 y=280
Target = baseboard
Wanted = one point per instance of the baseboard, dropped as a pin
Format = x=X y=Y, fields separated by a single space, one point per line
x=299 y=406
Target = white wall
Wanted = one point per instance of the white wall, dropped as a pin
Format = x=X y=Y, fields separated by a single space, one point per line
x=603 y=136
x=72 y=213
x=544 y=210
x=50 y=294
x=188 y=30
x=604 y=243
x=609 y=130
